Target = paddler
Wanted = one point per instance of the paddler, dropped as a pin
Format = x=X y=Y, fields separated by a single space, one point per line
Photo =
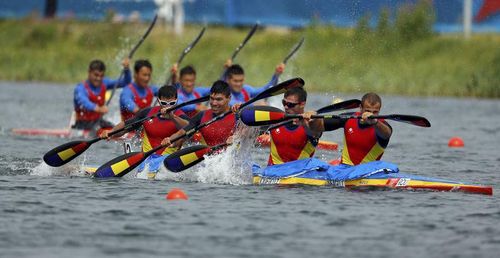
x=219 y=132
x=90 y=96
x=158 y=128
x=139 y=94
x=187 y=91
x=292 y=141
x=364 y=139
x=235 y=77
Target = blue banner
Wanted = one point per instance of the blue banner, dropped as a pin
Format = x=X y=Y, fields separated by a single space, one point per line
x=288 y=13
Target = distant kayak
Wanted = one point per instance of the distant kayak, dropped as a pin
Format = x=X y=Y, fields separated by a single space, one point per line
x=378 y=174
x=61 y=133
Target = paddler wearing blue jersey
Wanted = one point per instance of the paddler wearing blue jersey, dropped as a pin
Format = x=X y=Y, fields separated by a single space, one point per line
x=187 y=91
x=89 y=96
x=219 y=132
x=156 y=129
x=365 y=139
x=241 y=92
x=139 y=94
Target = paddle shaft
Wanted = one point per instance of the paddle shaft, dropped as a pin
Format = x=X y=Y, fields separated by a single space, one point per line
x=295 y=49
x=242 y=44
x=130 y=55
x=186 y=51
x=348 y=104
x=415 y=120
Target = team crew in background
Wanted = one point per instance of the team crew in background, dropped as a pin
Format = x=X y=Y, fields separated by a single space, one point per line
x=139 y=94
x=187 y=91
x=90 y=95
x=241 y=92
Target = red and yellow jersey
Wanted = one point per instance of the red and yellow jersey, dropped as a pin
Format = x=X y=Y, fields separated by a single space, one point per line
x=218 y=132
x=289 y=143
x=156 y=129
x=361 y=144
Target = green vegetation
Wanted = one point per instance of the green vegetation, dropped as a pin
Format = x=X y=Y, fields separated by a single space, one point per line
x=399 y=55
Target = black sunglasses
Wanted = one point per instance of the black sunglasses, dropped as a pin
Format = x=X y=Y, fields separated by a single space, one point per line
x=289 y=104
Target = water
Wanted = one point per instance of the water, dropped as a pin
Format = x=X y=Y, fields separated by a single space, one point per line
x=63 y=213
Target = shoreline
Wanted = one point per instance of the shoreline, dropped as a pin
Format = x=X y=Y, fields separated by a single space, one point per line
x=331 y=59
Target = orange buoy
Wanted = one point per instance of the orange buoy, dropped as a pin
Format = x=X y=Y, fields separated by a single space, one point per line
x=456 y=142
x=176 y=194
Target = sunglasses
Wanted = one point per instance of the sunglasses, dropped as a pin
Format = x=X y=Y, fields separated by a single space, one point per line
x=289 y=104
x=167 y=103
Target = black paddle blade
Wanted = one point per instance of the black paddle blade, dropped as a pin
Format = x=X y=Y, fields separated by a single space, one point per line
x=410 y=119
x=277 y=89
x=348 y=104
x=63 y=154
x=261 y=115
x=121 y=165
x=185 y=158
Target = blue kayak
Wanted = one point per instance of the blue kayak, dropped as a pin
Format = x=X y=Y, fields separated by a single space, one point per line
x=377 y=174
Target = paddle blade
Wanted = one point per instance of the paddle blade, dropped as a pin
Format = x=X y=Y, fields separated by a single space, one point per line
x=348 y=104
x=261 y=115
x=65 y=153
x=276 y=90
x=409 y=119
x=121 y=165
x=185 y=158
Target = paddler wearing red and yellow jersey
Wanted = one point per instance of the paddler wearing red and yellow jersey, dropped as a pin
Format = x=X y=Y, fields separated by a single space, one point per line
x=139 y=94
x=292 y=141
x=365 y=139
x=90 y=96
x=156 y=129
x=220 y=131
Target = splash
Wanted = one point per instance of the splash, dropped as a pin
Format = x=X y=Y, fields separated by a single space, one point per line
x=76 y=168
x=233 y=166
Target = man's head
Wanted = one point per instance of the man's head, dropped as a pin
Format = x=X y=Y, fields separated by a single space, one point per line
x=371 y=102
x=96 y=72
x=167 y=95
x=235 y=77
x=295 y=100
x=220 y=95
x=142 y=72
x=187 y=78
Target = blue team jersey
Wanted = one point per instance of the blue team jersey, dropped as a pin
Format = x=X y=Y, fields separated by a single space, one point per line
x=127 y=97
x=81 y=97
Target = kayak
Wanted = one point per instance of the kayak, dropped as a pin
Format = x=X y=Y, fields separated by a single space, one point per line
x=61 y=133
x=372 y=175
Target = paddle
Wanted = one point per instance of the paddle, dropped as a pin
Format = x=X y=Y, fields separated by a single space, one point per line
x=348 y=104
x=186 y=51
x=188 y=157
x=241 y=45
x=265 y=115
x=63 y=154
x=295 y=49
x=131 y=54
x=123 y=164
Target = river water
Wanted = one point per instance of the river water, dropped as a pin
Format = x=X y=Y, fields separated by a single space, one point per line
x=64 y=213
